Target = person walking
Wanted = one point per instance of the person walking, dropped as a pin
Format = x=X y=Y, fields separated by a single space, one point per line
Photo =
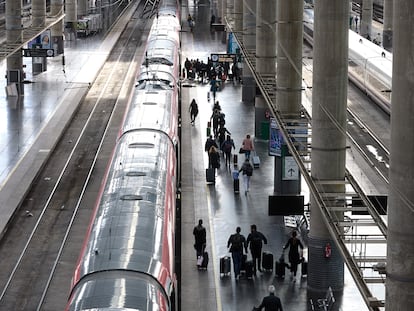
x=247 y=146
x=294 y=257
x=227 y=145
x=247 y=170
x=255 y=239
x=271 y=302
x=213 y=158
x=193 y=109
x=200 y=241
x=222 y=131
x=210 y=142
x=235 y=243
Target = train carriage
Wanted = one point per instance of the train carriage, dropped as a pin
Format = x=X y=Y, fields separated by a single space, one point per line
x=128 y=258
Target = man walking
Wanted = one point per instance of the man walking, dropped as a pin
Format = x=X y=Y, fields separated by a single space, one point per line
x=271 y=302
x=255 y=239
x=199 y=233
x=236 y=242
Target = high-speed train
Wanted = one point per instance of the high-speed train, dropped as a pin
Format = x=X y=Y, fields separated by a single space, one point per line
x=127 y=260
x=370 y=66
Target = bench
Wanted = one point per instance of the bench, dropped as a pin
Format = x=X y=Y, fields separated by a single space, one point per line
x=326 y=303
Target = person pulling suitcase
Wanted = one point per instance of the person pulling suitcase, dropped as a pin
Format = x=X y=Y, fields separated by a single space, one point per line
x=235 y=243
x=255 y=239
x=200 y=242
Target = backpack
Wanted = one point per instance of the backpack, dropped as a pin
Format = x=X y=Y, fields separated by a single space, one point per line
x=227 y=146
x=249 y=170
x=236 y=243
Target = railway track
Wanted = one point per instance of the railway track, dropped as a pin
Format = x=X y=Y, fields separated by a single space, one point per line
x=39 y=251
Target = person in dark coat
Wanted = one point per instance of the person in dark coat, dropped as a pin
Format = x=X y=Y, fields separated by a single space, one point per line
x=227 y=146
x=213 y=158
x=199 y=233
x=255 y=239
x=247 y=170
x=193 y=110
x=235 y=243
x=210 y=142
x=271 y=302
x=294 y=257
x=222 y=131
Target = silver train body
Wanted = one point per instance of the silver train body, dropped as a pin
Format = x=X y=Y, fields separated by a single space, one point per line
x=370 y=66
x=127 y=260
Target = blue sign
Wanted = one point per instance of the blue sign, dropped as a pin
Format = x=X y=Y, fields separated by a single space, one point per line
x=275 y=139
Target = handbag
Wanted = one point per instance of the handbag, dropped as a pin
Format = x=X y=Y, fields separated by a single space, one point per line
x=241 y=150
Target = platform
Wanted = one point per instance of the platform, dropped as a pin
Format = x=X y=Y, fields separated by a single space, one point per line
x=30 y=128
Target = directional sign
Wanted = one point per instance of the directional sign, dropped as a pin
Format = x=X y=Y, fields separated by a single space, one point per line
x=38 y=52
x=290 y=169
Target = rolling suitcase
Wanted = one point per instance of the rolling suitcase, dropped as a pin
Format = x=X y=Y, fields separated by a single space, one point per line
x=304 y=268
x=243 y=264
x=204 y=262
x=267 y=261
x=249 y=269
x=280 y=269
x=224 y=266
x=256 y=160
x=210 y=175
x=235 y=160
x=236 y=185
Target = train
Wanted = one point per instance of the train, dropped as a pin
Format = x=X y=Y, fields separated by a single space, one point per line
x=127 y=261
x=370 y=65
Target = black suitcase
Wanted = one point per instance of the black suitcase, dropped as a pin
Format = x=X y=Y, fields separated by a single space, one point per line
x=280 y=269
x=304 y=268
x=235 y=159
x=224 y=265
x=243 y=263
x=249 y=269
x=210 y=175
x=204 y=263
x=236 y=185
x=267 y=261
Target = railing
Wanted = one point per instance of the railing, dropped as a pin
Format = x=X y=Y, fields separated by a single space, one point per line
x=347 y=230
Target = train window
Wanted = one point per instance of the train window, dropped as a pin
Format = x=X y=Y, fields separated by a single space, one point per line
x=131 y=197
x=136 y=174
x=141 y=145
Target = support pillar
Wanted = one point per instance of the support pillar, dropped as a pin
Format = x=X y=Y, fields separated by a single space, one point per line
x=366 y=20
x=400 y=240
x=39 y=64
x=329 y=100
x=249 y=41
x=56 y=8
x=82 y=8
x=265 y=57
x=238 y=16
x=289 y=72
x=71 y=19
x=14 y=74
x=387 y=25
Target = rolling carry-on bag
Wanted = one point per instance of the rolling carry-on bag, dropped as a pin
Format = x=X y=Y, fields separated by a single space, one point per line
x=243 y=264
x=224 y=266
x=280 y=266
x=304 y=268
x=236 y=185
x=267 y=261
x=210 y=175
x=204 y=262
x=256 y=160
x=235 y=159
x=249 y=269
